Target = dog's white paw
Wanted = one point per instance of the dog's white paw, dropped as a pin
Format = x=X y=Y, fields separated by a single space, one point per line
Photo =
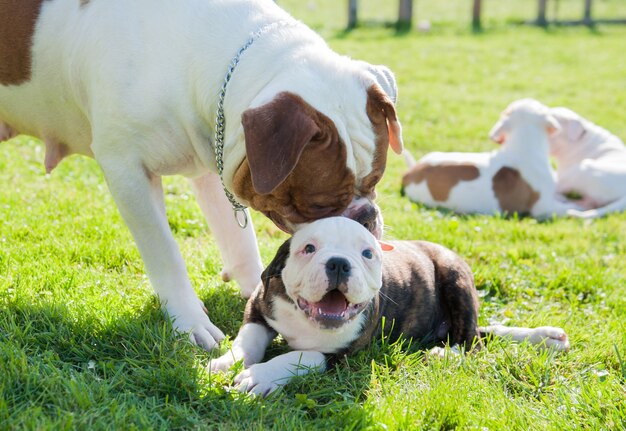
x=223 y=363
x=441 y=351
x=588 y=214
x=190 y=317
x=260 y=379
x=550 y=337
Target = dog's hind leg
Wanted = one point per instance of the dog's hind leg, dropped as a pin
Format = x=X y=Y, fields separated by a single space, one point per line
x=615 y=206
x=546 y=337
x=139 y=197
x=6 y=132
x=459 y=303
x=238 y=246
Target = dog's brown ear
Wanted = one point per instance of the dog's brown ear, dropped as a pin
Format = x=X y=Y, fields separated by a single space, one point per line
x=276 y=266
x=276 y=134
x=379 y=103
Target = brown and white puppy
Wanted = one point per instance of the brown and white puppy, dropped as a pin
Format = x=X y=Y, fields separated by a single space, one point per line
x=331 y=290
x=516 y=178
x=137 y=84
x=591 y=162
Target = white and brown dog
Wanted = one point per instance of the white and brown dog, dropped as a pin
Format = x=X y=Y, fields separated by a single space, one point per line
x=517 y=178
x=331 y=290
x=591 y=162
x=141 y=87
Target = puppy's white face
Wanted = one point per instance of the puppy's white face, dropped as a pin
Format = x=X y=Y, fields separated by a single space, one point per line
x=523 y=113
x=333 y=271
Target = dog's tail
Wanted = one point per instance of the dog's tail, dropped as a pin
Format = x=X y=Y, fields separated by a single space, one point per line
x=615 y=206
x=408 y=158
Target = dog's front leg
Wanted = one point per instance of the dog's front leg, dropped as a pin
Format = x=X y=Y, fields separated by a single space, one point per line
x=238 y=246
x=249 y=345
x=139 y=197
x=264 y=378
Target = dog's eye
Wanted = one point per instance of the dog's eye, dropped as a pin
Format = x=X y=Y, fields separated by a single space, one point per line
x=309 y=248
x=367 y=253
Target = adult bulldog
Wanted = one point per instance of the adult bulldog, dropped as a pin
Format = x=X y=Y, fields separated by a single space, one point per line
x=200 y=88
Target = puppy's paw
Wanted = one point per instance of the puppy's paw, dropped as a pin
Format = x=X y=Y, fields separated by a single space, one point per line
x=550 y=337
x=260 y=380
x=441 y=352
x=223 y=363
x=588 y=214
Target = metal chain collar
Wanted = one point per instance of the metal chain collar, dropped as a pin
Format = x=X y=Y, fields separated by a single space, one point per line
x=220 y=120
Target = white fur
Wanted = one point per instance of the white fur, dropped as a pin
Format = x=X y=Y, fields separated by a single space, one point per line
x=546 y=337
x=302 y=334
x=591 y=162
x=263 y=379
x=249 y=345
x=135 y=85
x=523 y=132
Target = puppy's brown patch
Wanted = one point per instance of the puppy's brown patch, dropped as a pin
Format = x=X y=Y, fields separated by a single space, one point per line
x=440 y=178
x=513 y=192
x=17 y=27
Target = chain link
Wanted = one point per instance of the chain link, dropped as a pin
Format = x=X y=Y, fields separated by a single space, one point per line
x=220 y=119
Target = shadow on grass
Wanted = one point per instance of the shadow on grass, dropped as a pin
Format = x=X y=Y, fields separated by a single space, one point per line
x=515 y=217
x=136 y=368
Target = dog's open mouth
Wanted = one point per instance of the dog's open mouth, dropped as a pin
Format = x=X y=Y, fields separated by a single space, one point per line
x=332 y=310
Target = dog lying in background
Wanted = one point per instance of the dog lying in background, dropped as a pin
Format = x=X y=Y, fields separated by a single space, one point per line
x=591 y=162
x=333 y=288
x=517 y=178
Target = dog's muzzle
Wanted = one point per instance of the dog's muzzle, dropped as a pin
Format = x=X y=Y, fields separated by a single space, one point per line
x=332 y=311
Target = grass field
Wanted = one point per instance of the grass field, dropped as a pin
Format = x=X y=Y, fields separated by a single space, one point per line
x=84 y=346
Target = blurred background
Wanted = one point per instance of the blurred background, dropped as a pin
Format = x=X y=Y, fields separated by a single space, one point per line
x=446 y=15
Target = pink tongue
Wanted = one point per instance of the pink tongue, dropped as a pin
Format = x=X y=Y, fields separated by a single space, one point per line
x=332 y=303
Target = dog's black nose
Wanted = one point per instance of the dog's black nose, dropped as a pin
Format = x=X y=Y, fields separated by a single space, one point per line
x=338 y=268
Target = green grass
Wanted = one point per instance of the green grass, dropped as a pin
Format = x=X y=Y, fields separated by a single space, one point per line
x=84 y=346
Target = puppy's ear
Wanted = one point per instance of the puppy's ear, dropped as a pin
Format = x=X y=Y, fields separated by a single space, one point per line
x=574 y=129
x=276 y=266
x=499 y=130
x=552 y=126
x=380 y=107
x=385 y=246
x=276 y=134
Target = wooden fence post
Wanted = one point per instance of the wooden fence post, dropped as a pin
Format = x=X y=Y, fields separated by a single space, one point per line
x=587 y=16
x=352 y=13
x=405 y=14
x=476 y=15
x=541 y=13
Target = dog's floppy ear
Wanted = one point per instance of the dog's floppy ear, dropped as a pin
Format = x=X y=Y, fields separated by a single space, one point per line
x=552 y=125
x=276 y=266
x=385 y=78
x=499 y=130
x=378 y=102
x=574 y=129
x=276 y=134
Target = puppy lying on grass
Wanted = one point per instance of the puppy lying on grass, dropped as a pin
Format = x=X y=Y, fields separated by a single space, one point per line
x=333 y=288
x=517 y=178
